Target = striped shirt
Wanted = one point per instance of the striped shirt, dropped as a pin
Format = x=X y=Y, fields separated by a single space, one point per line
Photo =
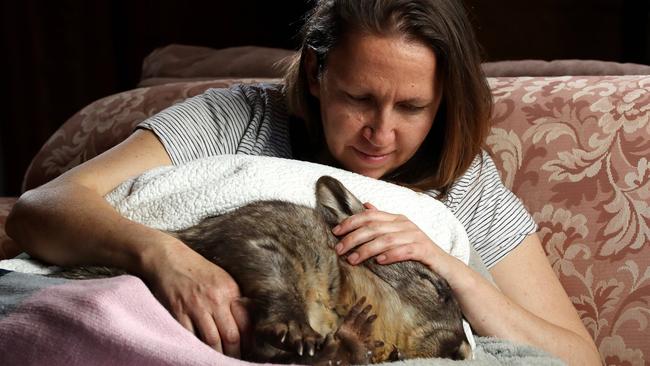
x=253 y=120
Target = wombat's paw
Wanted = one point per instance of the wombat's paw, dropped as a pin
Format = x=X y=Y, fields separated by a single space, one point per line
x=355 y=333
x=291 y=336
x=351 y=343
x=332 y=353
x=358 y=322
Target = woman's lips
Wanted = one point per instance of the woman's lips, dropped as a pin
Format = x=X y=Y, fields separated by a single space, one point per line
x=372 y=158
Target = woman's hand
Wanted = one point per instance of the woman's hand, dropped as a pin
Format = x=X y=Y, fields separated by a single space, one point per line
x=202 y=297
x=387 y=237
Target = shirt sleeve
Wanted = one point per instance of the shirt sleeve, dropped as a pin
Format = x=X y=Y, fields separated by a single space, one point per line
x=212 y=123
x=495 y=219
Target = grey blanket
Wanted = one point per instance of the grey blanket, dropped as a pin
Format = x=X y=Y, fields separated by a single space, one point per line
x=493 y=351
x=118 y=321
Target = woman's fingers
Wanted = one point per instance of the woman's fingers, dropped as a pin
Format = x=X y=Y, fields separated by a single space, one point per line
x=387 y=237
x=357 y=220
x=229 y=332
x=214 y=322
x=185 y=321
x=386 y=233
x=365 y=234
x=201 y=300
x=410 y=251
x=218 y=329
x=379 y=246
x=369 y=206
x=208 y=331
x=239 y=311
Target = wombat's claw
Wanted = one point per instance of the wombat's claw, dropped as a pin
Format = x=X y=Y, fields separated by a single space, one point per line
x=291 y=336
x=311 y=349
x=395 y=354
x=309 y=344
x=283 y=336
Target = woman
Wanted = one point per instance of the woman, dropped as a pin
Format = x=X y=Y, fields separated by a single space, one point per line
x=389 y=89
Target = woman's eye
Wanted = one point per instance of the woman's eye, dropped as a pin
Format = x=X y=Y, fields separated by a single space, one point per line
x=411 y=107
x=358 y=98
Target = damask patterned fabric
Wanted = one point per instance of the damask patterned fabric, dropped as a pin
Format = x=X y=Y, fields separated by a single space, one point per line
x=575 y=149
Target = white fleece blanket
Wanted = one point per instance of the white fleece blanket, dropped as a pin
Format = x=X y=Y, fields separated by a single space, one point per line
x=177 y=197
x=174 y=198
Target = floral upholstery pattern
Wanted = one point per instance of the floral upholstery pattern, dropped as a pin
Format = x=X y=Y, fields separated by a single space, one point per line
x=575 y=149
x=107 y=121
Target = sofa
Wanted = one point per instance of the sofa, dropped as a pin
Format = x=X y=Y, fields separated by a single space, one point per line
x=571 y=138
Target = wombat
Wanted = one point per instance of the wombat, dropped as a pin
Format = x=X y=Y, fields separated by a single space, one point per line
x=310 y=306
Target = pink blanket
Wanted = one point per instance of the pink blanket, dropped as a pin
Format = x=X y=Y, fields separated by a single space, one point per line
x=117 y=321
x=114 y=321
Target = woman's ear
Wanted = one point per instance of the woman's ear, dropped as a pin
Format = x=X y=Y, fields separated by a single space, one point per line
x=311 y=68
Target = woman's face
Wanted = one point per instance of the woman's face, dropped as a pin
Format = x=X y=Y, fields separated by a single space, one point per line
x=378 y=98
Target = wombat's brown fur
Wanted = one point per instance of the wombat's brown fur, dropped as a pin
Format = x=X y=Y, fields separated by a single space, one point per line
x=307 y=304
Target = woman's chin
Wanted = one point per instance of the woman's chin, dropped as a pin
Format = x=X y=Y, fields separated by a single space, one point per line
x=368 y=171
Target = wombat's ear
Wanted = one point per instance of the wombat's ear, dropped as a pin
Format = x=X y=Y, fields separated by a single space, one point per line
x=334 y=201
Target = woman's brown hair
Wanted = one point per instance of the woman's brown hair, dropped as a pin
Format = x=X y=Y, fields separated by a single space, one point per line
x=461 y=124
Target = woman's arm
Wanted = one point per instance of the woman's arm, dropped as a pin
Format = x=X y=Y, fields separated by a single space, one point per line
x=531 y=308
x=68 y=222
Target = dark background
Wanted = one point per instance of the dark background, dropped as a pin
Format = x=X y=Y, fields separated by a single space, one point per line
x=58 y=56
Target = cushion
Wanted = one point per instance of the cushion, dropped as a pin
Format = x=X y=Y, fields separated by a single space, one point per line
x=191 y=63
x=176 y=63
x=562 y=68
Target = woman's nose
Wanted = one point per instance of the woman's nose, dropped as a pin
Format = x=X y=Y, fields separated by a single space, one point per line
x=380 y=130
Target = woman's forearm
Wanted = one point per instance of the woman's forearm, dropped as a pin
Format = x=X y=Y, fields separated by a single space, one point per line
x=491 y=313
x=69 y=224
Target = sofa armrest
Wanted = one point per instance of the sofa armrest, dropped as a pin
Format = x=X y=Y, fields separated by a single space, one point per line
x=106 y=122
x=8 y=248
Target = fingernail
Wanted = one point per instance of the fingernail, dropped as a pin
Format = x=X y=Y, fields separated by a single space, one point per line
x=336 y=229
x=381 y=258
x=338 y=248
x=352 y=258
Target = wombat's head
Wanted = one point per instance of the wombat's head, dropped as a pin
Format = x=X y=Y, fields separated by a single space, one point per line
x=334 y=201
